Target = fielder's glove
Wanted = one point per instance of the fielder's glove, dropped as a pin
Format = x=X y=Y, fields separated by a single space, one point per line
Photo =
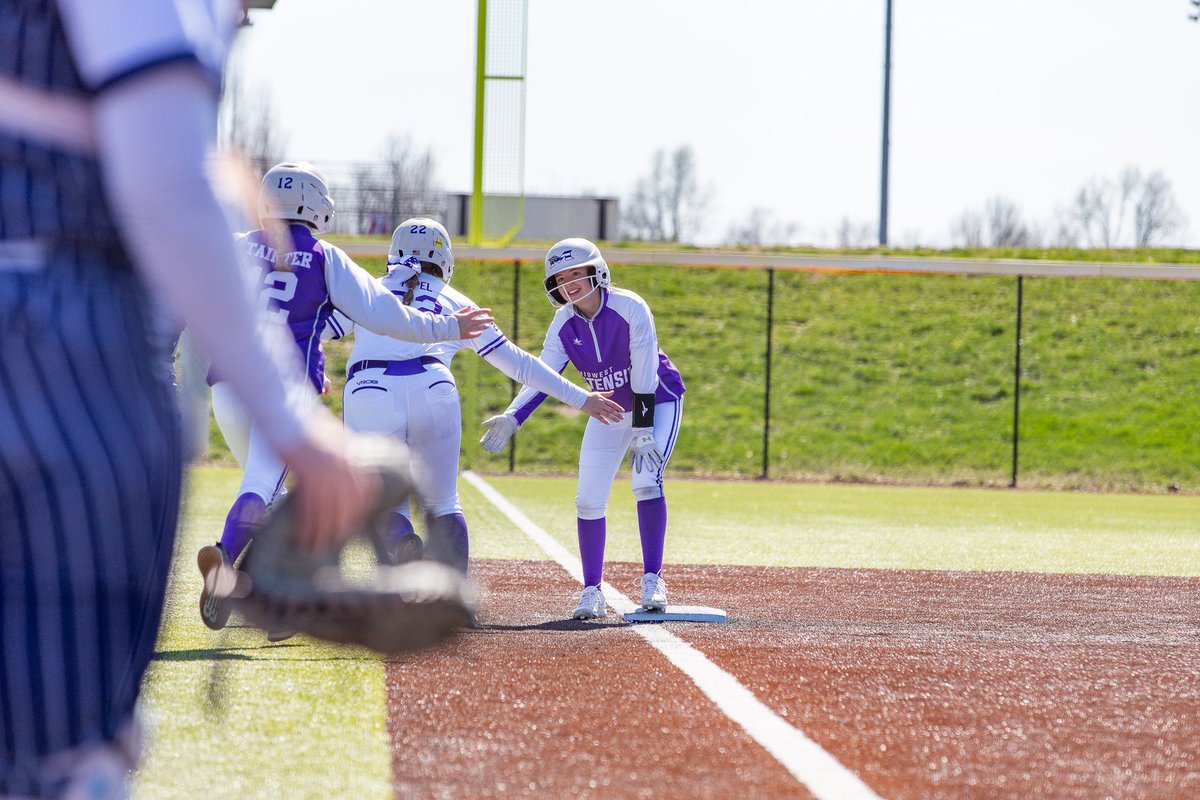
x=500 y=429
x=398 y=608
x=643 y=450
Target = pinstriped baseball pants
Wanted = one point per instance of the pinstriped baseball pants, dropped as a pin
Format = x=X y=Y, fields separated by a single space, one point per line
x=90 y=476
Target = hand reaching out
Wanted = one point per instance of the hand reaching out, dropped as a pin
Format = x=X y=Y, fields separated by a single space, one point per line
x=473 y=321
x=600 y=406
x=500 y=429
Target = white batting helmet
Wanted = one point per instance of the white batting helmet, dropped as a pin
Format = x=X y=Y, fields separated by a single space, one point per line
x=296 y=191
x=571 y=253
x=427 y=240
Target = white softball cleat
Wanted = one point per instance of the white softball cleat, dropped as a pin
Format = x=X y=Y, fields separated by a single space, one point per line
x=591 y=604
x=654 y=592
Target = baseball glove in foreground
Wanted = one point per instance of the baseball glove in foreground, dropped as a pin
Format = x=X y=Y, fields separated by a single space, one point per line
x=398 y=608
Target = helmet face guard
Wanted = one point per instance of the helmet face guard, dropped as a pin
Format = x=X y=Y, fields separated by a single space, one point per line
x=425 y=239
x=570 y=254
x=297 y=192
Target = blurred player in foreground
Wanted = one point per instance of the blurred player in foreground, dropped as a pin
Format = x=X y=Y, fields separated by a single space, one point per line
x=608 y=334
x=107 y=114
x=406 y=390
x=301 y=281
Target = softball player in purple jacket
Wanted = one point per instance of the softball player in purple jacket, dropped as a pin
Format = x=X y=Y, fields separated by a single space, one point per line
x=608 y=335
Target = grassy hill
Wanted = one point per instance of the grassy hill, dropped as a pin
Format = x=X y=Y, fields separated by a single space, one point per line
x=886 y=378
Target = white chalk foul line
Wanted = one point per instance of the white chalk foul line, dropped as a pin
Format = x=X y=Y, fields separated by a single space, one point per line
x=820 y=772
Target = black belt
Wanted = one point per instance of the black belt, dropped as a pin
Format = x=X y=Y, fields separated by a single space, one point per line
x=409 y=366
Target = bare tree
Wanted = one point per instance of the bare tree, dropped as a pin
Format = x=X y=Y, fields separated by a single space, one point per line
x=1004 y=226
x=1132 y=210
x=999 y=224
x=247 y=124
x=967 y=229
x=1155 y=214
x=668 y=204
x=759 y=229
x=855 y=234
x=402 y=184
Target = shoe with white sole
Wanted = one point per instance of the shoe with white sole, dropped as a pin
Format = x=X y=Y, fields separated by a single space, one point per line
x=279 y=635
x=591 y=604
x=221 y=582
x=654 y=592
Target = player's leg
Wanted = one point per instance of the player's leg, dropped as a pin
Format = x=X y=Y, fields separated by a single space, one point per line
x=232 y=420
x=373 y=402
x=90 y=478
x=261 y=482
x=600 y=455
x=652 y=505
x=434 y=440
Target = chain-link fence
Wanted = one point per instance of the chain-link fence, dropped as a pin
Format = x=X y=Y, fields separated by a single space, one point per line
x=890 y=378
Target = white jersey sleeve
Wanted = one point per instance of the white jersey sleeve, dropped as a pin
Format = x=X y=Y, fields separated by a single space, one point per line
x=534 y=373
x=113 y=41
x=362 y=298
x=553 y=356
x=643 y=350
x=338 y=326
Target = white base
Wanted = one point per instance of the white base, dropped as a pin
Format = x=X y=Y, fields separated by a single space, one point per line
x=678 y=614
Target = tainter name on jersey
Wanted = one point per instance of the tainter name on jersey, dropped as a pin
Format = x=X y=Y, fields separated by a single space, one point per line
x=267 y=253
x=607 y=380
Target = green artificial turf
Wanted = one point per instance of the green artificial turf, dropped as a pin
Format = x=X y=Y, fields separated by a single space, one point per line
x=230 y=715
x=831 y=525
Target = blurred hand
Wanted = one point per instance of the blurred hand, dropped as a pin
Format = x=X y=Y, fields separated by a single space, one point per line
x=599 y=406
x=500 y=429
x=326 y=387
x=332 y=494
x=643 y=450
x=473 y=321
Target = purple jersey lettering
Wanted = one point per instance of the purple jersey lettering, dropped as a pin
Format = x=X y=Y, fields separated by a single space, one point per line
x=293 y=291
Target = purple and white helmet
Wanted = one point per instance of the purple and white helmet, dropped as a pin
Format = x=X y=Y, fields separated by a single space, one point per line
x=296 y=191
x=571 y=253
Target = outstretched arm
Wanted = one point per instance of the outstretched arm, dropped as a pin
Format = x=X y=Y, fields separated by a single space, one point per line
x=524 y=368
x=367 y=301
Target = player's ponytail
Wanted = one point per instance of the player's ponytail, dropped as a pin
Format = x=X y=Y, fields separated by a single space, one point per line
x=411 y=285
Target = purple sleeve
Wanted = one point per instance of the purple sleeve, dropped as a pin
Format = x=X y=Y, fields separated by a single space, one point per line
x=522 y=413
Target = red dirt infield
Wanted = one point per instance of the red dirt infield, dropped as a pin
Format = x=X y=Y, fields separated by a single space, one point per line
x=926 y=684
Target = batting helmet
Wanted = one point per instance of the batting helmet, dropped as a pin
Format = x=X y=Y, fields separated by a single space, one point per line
x=569 y=254
x=427 y=240
x=296 y=191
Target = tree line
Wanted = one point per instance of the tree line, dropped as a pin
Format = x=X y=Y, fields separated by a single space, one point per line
x=670 y=202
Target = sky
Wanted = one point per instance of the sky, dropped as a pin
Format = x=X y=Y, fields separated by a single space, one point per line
x=780 y=101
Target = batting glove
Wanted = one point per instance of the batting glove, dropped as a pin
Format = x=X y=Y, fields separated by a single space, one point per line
x=643 y=450
x=500 y=429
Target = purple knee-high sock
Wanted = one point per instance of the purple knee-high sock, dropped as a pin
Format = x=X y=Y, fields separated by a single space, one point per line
x=399 y=527
x=449 y=541
x=591 y=549
x=241 y=523
x=652 y=524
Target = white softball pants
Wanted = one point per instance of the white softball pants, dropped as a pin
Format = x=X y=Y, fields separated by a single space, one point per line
x=421 y=410
x=604 y=448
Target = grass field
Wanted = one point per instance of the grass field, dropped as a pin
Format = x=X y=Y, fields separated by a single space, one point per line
x=894 y=379
x=233 y=716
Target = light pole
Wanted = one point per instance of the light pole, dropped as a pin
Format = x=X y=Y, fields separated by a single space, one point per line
x=887 y=106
